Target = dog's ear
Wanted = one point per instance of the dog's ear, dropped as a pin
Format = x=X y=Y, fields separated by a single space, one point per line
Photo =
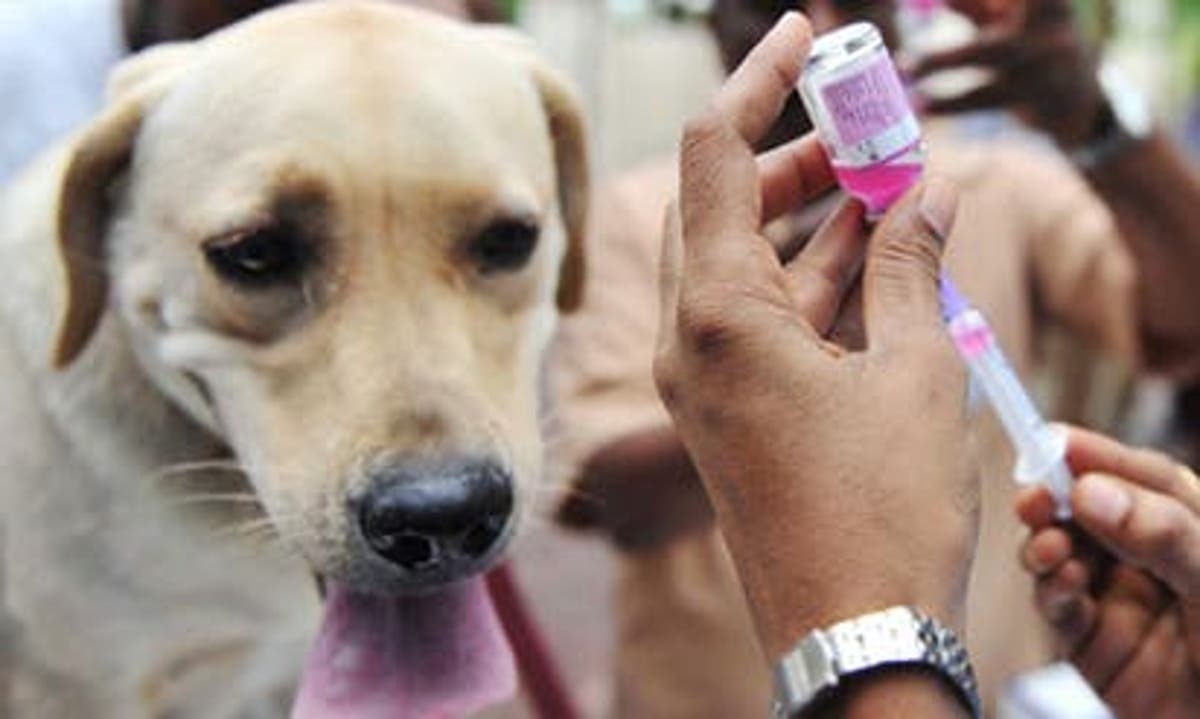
x=565 y=116
x=98 y=157
x=571 y=160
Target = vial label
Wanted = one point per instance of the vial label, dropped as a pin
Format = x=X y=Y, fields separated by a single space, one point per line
x=867 y=104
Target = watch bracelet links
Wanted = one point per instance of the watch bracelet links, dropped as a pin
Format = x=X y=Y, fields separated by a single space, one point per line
x=894 y=637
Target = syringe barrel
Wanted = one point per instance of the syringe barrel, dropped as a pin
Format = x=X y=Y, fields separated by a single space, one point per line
x=986 y=361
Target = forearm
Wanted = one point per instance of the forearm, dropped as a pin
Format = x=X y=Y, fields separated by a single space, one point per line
x=1154 y=195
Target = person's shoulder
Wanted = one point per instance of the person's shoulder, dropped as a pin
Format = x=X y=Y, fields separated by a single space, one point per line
x=1014 y=160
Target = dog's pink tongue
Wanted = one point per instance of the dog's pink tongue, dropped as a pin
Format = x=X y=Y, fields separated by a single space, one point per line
x=426 y=657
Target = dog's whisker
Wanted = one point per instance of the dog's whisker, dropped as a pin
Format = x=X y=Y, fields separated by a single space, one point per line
x=246 y=528
x=186 y=470
x=217 y=498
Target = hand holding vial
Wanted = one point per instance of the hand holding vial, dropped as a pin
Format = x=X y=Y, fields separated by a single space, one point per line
x=862 y=116
x=801 y=441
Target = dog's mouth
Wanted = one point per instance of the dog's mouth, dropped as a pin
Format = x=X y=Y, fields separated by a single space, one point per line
x=434 y=655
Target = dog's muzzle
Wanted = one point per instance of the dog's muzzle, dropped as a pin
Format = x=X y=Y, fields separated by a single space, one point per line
x=435 y=521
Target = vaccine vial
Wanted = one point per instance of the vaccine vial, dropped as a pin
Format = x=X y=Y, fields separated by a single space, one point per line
x=860 y=109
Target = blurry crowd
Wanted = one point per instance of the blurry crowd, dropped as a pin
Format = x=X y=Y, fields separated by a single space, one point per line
x=1077 y=234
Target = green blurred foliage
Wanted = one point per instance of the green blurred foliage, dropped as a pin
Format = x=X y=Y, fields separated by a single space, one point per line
x=1186 y=41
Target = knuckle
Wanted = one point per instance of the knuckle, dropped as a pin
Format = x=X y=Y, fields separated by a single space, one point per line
x=1160 y=529
x=706 y=327
x=906 y=253
x=667 y=379
x=701 y=127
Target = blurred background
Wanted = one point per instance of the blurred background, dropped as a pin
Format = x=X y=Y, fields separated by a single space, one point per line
x=644 y=65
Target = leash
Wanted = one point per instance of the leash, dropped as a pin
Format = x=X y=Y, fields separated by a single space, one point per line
x=540 y=674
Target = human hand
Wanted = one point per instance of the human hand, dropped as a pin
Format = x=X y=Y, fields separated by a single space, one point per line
x=834 y=497
x=1044 y=69
x=1121 y=586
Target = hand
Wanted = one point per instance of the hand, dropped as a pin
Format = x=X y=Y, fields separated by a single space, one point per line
x=1121 y=586
x=1044 y=70
x=839 y=476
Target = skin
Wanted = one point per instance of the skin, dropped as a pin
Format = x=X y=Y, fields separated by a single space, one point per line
x=1046 y=72
x=641 y=489
x=738 y=322
x=1120 y=584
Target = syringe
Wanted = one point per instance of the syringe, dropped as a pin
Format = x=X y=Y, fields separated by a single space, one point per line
x=1041 y=449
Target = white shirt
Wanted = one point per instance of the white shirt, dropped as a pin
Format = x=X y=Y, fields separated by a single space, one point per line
x=54 y=59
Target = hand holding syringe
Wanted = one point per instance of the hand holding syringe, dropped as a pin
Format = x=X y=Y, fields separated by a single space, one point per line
x=860 y=109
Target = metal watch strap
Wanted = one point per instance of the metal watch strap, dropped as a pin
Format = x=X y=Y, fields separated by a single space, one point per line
x=898 y=635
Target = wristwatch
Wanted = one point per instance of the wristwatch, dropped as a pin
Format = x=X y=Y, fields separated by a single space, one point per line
x=895 y=636
x=1129 y=119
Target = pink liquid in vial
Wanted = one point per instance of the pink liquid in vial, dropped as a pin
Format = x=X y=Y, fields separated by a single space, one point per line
x=878 y=186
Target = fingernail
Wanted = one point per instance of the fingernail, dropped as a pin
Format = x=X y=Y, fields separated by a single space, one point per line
x=787 y=18
x=1104 y=499
x=939 y=202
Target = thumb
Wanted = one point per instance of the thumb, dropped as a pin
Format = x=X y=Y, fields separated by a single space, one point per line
x=1146 y=528
x=900 y=282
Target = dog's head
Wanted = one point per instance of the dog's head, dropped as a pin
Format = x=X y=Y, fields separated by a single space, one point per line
x=339 y=234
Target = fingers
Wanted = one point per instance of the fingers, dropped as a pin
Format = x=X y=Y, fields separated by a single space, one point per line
x=1046 y=551
x=719 y=181
x=753 y=96
x=903 y=262
x=828 y=265
x=1036 y=507
x=1094 y=452
x=793 y=174
x=1144 y=528
x=1062 y=599
x=1127 y=614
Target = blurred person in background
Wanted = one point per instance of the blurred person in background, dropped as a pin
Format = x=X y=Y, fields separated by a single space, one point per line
x=1032 y=245
x=1044 y=71
x=55 y=55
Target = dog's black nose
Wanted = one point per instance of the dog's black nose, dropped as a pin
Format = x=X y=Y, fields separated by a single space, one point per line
x=436 y=519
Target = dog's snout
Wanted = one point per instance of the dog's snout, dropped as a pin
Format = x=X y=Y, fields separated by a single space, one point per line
x=437 y=520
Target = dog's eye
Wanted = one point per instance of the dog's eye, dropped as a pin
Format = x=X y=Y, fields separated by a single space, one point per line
x=260 y=258
x=505 y=245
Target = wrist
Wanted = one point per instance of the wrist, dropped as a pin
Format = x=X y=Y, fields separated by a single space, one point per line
x=816 y=673
x=792 y=593
x=900 y=690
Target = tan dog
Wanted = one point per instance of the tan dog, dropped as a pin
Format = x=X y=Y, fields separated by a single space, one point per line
x=325 y=244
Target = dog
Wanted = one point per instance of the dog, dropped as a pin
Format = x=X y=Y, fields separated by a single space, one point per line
x=297 y=277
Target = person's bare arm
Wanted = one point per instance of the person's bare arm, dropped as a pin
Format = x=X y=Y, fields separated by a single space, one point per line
x=1154 y=194
x=642 y=489
x=1046 y=71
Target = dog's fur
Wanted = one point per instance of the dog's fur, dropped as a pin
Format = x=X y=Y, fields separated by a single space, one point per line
x=390 y=139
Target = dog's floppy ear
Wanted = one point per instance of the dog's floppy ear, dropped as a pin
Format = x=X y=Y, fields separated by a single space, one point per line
x=98 y=156
x=571 y=160
x=565 y=116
